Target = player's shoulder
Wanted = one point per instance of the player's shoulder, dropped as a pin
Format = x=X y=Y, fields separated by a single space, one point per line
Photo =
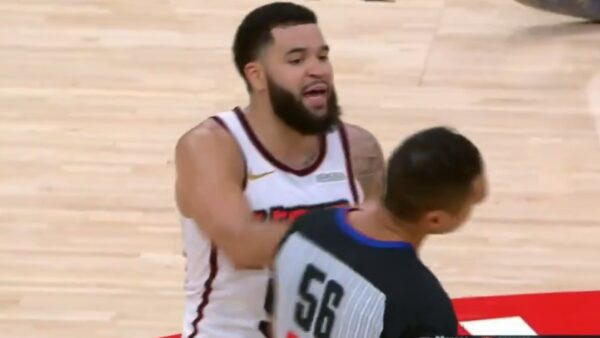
x=361 y=141
x=204 y=133
x=209 y=138
x=359 y=135
x=209 y=145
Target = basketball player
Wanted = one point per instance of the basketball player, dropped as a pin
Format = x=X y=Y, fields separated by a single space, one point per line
x=243 y=174
x=359 y=274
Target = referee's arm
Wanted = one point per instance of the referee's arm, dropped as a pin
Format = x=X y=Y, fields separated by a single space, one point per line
x=428 y=314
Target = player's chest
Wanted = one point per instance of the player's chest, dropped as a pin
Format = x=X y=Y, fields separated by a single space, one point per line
x=277 y=195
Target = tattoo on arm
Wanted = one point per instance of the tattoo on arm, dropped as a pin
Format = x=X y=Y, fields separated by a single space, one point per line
x=370 y=173
x=367 y=162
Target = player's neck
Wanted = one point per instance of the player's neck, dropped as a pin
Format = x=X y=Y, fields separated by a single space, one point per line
x=286 y=144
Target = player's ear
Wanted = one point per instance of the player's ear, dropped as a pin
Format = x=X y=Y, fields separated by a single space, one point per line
x=256 y=76
x=436 y=220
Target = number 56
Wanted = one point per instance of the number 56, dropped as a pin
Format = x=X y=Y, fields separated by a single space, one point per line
x=306 y=307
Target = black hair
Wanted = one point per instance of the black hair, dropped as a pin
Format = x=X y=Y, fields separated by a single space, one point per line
x=255 y=30
x=431 y=170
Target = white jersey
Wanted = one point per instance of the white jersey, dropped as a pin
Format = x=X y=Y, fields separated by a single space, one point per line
x=222 y=302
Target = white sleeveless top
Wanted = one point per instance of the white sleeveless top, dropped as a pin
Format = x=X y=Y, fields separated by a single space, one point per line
x=222 y=302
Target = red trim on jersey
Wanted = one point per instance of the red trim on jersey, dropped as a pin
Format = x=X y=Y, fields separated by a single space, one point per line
x=269 y=157
x=224 y=125
x=214 y=268
x=350 y=172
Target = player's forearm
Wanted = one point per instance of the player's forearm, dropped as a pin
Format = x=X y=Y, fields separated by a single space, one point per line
x=254 y=246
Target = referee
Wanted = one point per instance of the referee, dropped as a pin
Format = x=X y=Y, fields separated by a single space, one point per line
x=356 y=273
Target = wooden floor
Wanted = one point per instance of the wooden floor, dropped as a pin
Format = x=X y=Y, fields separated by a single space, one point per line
x=94 y=94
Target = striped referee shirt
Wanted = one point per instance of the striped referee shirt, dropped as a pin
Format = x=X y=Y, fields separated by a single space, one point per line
x=332 y=281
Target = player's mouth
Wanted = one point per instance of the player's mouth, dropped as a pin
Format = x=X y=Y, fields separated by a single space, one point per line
x=316 y=95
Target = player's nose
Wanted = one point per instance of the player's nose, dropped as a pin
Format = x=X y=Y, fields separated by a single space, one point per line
x=319 y=69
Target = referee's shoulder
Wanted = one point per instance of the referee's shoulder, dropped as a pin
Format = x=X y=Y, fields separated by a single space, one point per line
x=311 y=224
x=426 y=282
x=316 y=218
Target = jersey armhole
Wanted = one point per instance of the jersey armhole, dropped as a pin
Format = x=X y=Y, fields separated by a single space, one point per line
x=348 y=158
x=222 y=123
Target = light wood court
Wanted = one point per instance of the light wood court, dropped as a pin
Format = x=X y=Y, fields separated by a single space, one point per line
x=95 y=93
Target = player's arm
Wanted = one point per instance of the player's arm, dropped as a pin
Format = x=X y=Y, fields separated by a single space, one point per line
x=368 y=162
x=209 y=189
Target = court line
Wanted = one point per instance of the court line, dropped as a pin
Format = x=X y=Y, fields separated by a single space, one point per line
x=499 y=326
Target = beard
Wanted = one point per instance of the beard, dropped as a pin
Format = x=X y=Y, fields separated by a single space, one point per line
x=297 y=116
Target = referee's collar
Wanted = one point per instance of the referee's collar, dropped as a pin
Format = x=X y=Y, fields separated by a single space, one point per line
x=342 y=222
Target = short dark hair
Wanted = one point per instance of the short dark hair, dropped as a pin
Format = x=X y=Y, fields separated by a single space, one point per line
x=431 y=170
x=255 y=30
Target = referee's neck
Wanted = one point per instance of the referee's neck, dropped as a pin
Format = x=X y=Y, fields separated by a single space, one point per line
x=377 y=222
